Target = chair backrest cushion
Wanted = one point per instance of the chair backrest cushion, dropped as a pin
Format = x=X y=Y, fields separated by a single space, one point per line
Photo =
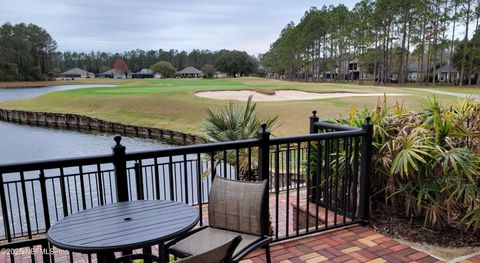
x=236 y=205
x=222 y=253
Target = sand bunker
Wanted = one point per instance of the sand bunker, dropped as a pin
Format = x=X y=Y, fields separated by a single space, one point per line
x=282 y=95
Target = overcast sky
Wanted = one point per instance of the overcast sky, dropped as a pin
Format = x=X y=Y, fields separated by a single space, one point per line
x=120 y=25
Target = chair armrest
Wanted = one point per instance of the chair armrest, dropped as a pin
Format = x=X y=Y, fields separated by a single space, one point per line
x=260 y=242
x=175 y=240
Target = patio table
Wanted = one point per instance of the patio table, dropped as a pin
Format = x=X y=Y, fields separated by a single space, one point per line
x=123 y=226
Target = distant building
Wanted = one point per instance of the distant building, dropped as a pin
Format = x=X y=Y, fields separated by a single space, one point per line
x=121 y=75
x=145 y=71
x=189 y=72
x=348 y=70
x=219 y=75
x=412 y=74
x=105 y=75
x=113 y=74
x=143 y=74
x=77 y=73
x=445 y=71
x=413 y=71
x=356 y=72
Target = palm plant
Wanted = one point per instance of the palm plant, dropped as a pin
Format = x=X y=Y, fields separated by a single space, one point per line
x=237 y=122
x=428 y=164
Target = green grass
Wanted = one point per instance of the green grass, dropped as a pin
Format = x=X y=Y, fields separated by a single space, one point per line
x=171 y=103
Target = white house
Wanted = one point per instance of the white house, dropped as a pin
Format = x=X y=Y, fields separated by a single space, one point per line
x=412 y=74
x=219 y=74
x=121 y=75
x=145 y=71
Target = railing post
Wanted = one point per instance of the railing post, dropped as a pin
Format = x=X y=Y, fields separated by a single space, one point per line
x=139 y=180
x=120 y=166
x=313 y=119
x=366 y=171
x=263 y=171
x=43 y=191
x=313 y=182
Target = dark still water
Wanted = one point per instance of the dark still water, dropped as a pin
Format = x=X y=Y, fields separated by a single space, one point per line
x=21 y=143
x=84 y=187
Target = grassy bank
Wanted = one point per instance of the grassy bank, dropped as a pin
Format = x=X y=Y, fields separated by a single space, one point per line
x=172 y=104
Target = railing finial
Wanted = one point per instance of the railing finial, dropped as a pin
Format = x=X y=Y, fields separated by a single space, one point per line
x=264 y=127
x=368 y=119
x=117 y=138
x=314 y=112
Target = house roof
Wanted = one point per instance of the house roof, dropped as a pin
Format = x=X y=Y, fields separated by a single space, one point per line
x=446 y=69
x=108 y=72
x=75 y=71
x=413 y=66
x=189 y=70
x=145 y=71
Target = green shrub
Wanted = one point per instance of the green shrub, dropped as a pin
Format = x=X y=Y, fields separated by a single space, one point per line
x=427 y=163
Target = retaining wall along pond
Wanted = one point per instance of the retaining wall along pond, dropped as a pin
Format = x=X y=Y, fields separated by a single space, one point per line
x=85 y=123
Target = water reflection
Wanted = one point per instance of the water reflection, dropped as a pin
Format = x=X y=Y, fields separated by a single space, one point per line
x=21 y=143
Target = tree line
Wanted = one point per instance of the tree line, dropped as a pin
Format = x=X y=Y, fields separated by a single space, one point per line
x=232 y=62
x=384 y=41
x=136 y=59
x=28 y=52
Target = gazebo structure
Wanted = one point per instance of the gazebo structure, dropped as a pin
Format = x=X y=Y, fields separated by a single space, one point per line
x=189 y=72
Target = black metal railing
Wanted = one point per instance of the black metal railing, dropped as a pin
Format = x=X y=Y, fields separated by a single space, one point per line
x=317 y=181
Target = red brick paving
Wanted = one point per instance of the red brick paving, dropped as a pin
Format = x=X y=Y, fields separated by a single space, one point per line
x=353 y=244
x=474 y=259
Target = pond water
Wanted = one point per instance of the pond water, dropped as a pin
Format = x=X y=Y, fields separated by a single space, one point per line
x=24 y=93
x=21 y=143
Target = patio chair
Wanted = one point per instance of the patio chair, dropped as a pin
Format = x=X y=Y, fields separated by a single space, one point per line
x=234 y=208
x=132 y=257
x=222 y=253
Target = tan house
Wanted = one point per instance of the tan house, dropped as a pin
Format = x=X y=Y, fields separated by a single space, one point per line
x=76 y=73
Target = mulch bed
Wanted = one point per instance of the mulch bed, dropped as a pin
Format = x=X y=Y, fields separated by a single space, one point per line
x=390 y=222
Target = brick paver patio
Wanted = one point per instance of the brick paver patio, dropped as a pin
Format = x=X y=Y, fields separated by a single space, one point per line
x=474 y=259
x=350 y=244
